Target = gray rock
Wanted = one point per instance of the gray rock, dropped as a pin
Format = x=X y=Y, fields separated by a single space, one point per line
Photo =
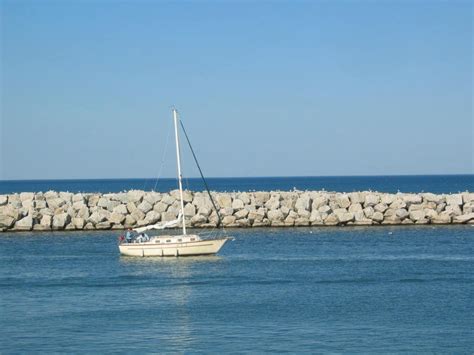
x=24 y=224
x=273 y=203
x=116 y=218
x=371 y=200
x=26 y=196
x=10 y=211
x=380 y=207
x=275 y=215
x=160 y=207
x=145 y=207
x=455 y=199
x=387 y=199
x=224 y=200
x=466 y=196
x=355 y=207
x=92 y=200
x=152 y=217
x=3 y=200
x=55 y=203
x=303 y=203
x=429 y=197
x=187 y=195
x=344 y=217
x=461 y=219
x=135 y=196
x=78 y=198
x=6 y=221
x=318 y=202
x=167 y=199
x=129 y=221
x=228 y=220
x=357 y=197
x=315 y=218
x=377 y=217
x=237 y=204
x=453 y=210
x=244 y=197
x=189 y=210
x=122 y=209
x=343 y=200
x=60 y=221
x=331 y=220
x=241 y=213
x=412 y=199
x=261 y=197
x=168 y=216
x=103 y=225
x=78 y=223
x=417 y=215
x=198 y=219
x=401 y=213
x=152 y=197
x=443 y=218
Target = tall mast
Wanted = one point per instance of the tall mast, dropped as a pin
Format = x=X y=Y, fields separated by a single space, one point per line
x=178 y=160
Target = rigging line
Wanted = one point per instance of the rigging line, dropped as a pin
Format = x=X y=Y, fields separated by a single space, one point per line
x=202 y=175
x=163 y=157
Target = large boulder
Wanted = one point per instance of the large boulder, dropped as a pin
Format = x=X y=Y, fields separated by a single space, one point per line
x=122 y=209
x=343 y=200
x=26 y=196
x=55 y=203
x=273 y=203
x=24 y=224
x=461 y=219
x=60 y=220
x=261 y=197
x=410 y=199
x=152 y=197
x=377 y=217
x=224 y=200
x=135 y=196
x=116 y=218
x=145 y=207
x=303 y=203
x=189 y=210
x=78 y=223
x=371 y=200
x=10 y=211
x=3 y=200
x=152 y=217
x=238 y=204
x=455 y=199
x=6 y=221
x=275 y=215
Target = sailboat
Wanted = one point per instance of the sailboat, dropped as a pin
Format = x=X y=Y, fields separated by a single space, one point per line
x=173 y=245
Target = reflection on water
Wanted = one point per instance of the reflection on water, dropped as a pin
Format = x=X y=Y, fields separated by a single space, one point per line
x=182 y=260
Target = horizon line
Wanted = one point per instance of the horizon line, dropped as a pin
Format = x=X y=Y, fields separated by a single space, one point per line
x=234 y=177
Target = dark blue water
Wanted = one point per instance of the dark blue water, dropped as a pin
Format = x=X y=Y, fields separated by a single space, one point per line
x=412 y=183
x=320 y=290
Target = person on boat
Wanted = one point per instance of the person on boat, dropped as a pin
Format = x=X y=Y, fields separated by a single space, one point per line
x=128 y=236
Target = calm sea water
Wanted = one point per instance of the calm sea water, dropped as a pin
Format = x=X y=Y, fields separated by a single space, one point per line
x=414 y=183
x=296 y=290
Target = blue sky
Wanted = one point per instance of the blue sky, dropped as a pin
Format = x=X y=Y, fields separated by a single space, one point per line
x=264 y=88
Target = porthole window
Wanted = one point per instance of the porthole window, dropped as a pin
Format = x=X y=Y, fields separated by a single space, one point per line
x=193 y=238
x=168 y=241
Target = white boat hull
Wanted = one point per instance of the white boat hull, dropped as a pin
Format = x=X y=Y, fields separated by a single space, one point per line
x=199 y=247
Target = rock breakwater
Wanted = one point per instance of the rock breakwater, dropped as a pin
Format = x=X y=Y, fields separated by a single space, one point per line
x=96 y=211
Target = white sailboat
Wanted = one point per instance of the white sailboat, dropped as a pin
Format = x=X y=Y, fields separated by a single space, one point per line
x=171 y=245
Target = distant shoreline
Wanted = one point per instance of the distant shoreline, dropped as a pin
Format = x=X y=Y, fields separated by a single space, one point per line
x=58 y=211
